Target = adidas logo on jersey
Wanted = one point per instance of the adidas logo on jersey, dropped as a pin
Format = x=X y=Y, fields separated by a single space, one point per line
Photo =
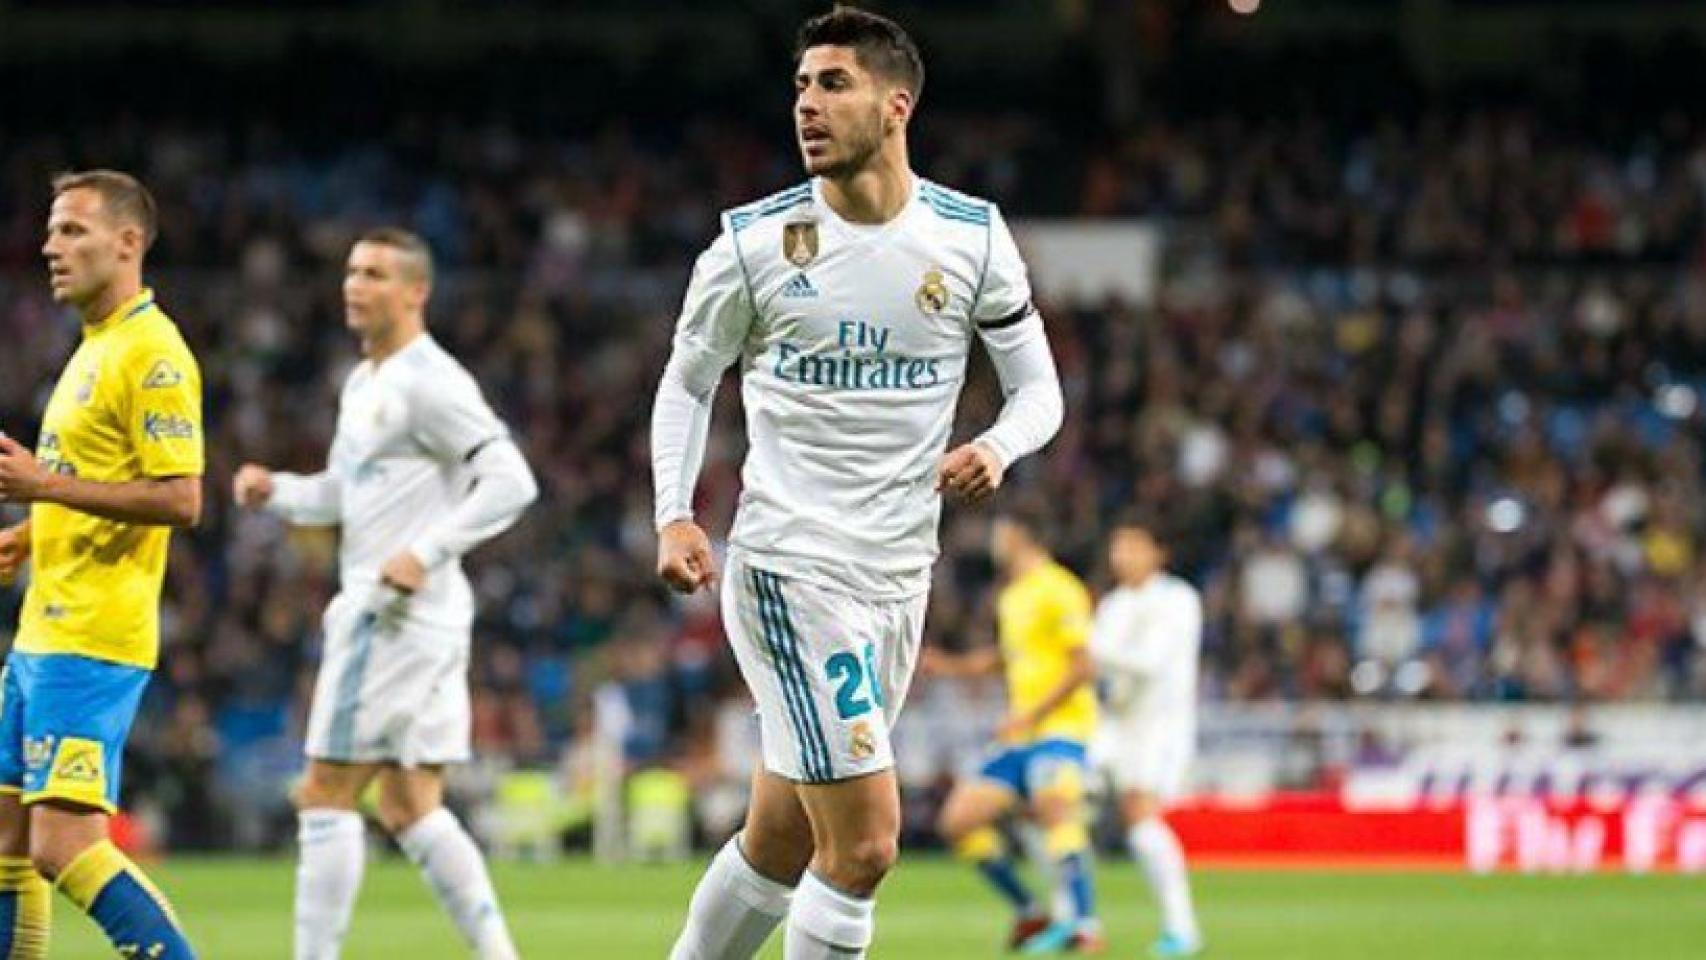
x=800 y=286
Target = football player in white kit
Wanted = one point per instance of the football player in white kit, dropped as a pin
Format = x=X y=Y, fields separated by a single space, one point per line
x=420 y=472
x=1145 y=644
x=851 y=303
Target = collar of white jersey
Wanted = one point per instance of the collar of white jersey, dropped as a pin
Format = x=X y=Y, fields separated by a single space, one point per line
x=867 y=229
x=414 y=346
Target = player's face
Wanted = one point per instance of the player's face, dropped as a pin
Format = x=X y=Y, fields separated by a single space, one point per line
x=379 y=289
x=85 y=248
x=841 y=111
x=1006 y=539
x=1134 y=555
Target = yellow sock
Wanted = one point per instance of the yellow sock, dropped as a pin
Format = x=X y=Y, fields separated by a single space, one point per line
x=1066 y=839
x=26 y=910
x=981 y=844
x=118 y=896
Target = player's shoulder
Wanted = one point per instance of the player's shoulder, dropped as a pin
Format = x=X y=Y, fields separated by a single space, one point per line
x=956 y=207
x=433 y=376
x=153 y=341
x=429 y=365
x=1058 y=582
x=768 y=211
x=1179 y=590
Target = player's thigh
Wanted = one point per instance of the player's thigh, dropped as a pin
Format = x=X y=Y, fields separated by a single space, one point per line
x=60 y=831
x=14 y=825
x=901 y=643
x=406 y=794
x=777 y=838
x=1138 y=805
x=76 y=716
x=389 y=691
x=333 y=784
x=814 y=661
x=974 y=804
x=1057 y=781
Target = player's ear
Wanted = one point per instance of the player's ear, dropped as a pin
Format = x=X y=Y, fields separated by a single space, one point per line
x=900 y=105
x=131 y=242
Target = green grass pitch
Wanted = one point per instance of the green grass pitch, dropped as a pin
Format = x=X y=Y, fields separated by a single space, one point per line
x=932 y=909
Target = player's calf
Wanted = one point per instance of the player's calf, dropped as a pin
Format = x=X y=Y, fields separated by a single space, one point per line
x=105 y=884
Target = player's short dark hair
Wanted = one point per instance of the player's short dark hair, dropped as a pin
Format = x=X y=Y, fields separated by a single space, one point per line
x=407 y=241
x=1032 y=516
x=880 y=44
x=123 y=196
x=1147 y=521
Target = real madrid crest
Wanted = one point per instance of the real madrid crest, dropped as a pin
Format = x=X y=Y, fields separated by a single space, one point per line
x=932 y=296
x=799 y=243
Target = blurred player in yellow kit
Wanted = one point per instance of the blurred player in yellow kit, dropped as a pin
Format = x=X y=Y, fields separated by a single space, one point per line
x=118 y=463
x=1040 y=761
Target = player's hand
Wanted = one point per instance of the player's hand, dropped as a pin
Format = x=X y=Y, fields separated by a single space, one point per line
x=1018 y=726
x=684 y=557
x=14 y=552
x=971 y=472
x=22 y=477
x=252 y=486
x=403 y=573
x=934 y=663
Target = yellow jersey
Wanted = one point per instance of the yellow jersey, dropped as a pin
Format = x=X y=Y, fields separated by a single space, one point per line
x=1043 y=618
x=127 y=407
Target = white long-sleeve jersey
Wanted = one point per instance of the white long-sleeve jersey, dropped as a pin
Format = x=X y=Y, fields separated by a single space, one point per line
x=852 y=342
x=1145 y=644
x=419 y=462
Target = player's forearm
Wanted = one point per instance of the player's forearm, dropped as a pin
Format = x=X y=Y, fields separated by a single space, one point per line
x=971 y=663
x=503 y=487
x=1079 y=675
x=164 y=502
x=1034 y=407
x=681 y=422
x=306 y=500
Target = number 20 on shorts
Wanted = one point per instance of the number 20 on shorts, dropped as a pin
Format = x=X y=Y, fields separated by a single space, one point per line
x=856 y=683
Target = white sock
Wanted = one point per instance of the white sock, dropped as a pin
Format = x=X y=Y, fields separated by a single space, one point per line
x=456 y=871
x=332 y=849
x=826 y=924
x=1158 y=853
x=734 y=908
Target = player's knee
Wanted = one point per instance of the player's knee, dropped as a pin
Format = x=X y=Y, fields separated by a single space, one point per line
x=399 y=813
x=777 y=853
x=320 y=793
x=1141 y=805
x=951 y=826
x=51 y=854
x=861 y=866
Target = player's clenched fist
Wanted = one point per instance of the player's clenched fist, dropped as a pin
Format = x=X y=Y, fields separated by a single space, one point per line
x=971 y=472
x=14 y=552
x=252 y=487
x=21 y=474
x=684 y=556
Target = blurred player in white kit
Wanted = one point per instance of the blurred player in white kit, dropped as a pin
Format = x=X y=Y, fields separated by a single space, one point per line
x=1145 y=644
x=420 y=472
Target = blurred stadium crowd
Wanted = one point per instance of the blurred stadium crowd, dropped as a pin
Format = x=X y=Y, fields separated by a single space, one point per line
x=1423 y=397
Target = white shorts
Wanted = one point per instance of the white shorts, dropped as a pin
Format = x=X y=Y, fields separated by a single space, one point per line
x=829 y=670
x=1144 y=758
x=391 y=689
